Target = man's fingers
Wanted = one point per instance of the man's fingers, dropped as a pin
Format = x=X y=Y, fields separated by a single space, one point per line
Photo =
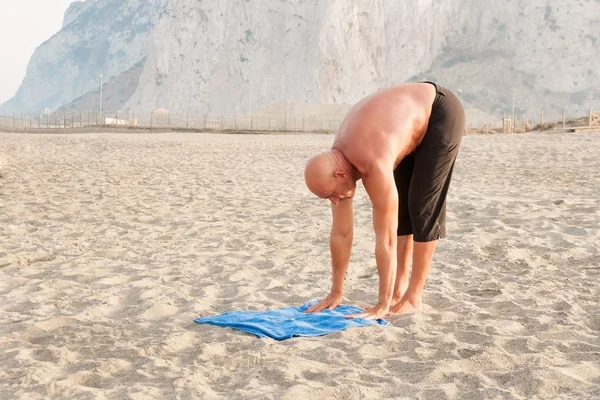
x=353 y=316
x=316 y=308
x=311 y=308
x=365 y=315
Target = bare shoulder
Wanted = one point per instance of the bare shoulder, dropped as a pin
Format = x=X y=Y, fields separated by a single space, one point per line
x=378 y=180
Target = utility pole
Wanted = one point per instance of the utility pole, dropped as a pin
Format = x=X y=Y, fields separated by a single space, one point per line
x=513 y=111
x=250 y=108
x=101 y=77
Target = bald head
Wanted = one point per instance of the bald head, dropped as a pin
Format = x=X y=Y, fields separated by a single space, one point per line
x=319 y=174
x=329 y=175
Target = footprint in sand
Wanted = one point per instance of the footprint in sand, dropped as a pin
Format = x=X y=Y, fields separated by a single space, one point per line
x=486 y=293
x=159 y=311
x=593 y=322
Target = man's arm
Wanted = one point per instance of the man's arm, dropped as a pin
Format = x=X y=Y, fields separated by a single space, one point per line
x=381 y=189
x=340 y=242
x=340 y=245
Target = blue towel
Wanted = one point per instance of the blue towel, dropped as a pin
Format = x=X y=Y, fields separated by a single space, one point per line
x=290 y=321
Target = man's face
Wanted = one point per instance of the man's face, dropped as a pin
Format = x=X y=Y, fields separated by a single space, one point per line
x=343 y=188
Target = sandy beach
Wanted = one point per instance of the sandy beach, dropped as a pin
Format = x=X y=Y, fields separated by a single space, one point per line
x=111 y=245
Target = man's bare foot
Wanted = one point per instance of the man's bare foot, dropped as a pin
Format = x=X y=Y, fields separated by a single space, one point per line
x=407 y=306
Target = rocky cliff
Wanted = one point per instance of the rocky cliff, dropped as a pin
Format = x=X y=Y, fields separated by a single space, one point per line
x=98 y=37
x=203 y=55
x=75 y=9
x=208 y=57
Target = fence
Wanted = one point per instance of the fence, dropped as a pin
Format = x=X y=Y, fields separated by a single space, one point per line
x=164 y=120
x=515 y=125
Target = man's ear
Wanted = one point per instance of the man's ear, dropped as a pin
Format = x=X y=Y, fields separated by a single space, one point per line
x=339 y=173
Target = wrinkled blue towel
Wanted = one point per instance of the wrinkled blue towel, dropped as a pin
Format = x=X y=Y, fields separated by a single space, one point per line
x=288 y=322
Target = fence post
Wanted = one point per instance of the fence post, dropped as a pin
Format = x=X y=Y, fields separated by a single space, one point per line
x=590 y=118
x=564 y=117
x=151 y=119
x=542 y=123
x=187 y=120
x=269 y=123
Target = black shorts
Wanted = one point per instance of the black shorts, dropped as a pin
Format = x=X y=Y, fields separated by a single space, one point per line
x=423 y=177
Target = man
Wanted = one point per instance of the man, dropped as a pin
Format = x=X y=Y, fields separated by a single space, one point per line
x=402 y=142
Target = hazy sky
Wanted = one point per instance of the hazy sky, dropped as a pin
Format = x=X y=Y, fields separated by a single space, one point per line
x=24 y=25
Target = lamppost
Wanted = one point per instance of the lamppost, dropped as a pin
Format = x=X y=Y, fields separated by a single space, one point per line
x=101 y=94
x=513 y=110
x=250 y=108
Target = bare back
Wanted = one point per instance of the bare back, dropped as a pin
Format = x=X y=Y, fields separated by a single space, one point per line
x=384 y=127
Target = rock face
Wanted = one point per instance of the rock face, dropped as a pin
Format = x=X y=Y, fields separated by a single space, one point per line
x=116 y=92
x=202 y=55
x=98 y=37
x=75 y=9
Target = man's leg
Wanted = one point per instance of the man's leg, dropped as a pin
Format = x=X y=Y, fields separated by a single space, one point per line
x=402 y=178
x=412 y=299
x=405 y=254
x=427 y=203
x=433 y=166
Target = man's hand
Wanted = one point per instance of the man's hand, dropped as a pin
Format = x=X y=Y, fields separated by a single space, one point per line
x=330 y=302
x=377 y=312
